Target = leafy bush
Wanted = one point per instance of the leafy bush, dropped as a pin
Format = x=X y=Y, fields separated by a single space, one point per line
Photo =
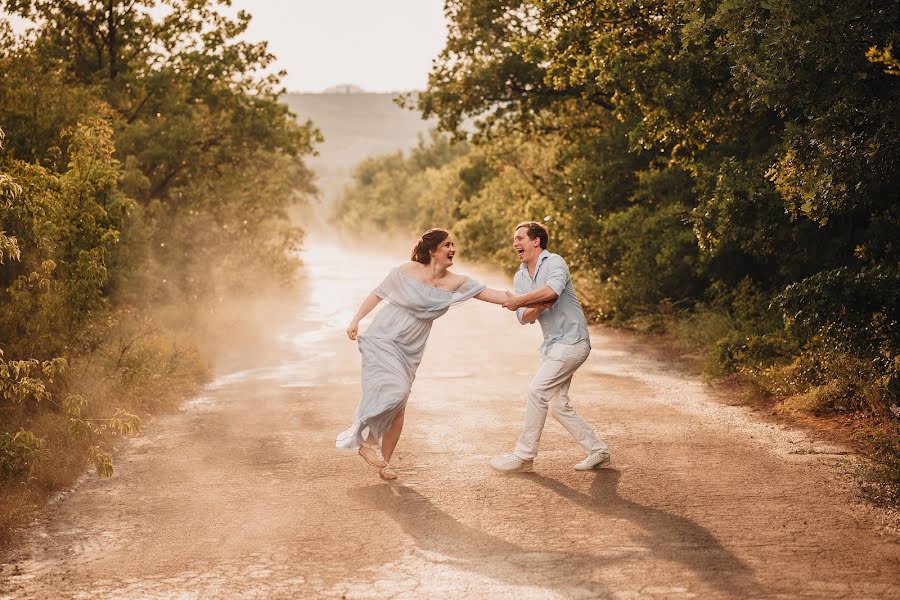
x=850 y=317
x=19 y=453
x=649 y=254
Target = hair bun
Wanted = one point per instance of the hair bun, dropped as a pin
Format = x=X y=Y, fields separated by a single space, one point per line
x=430 y=240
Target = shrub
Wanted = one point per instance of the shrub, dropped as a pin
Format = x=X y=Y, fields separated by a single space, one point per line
x=19 y=454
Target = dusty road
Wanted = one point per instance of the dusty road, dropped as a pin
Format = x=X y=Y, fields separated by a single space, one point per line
x=242 y=494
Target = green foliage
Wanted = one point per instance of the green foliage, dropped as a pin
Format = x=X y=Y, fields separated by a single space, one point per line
x=651 y=256
x=850 y=317
x=102 y=461
x=19 y=453
x=404 y=194
x=883 y=485
x=147 y=168
x=855 y=310
x=25 y=381
x=9 y=193
x=69 y=227
x=93 y=431
x=206 y=151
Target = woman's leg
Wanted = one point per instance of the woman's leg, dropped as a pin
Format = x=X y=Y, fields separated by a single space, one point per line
x=392 y=435
x=369 y=452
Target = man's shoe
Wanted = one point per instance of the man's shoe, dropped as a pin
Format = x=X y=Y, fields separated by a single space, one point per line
x=511 y=464
x=595 y=460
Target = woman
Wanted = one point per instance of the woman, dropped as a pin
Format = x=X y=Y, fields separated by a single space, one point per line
x=418 y=292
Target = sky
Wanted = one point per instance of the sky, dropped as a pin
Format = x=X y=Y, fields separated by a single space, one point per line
x=378 y=45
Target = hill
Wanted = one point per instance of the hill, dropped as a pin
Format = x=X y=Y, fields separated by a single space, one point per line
x=355 y=126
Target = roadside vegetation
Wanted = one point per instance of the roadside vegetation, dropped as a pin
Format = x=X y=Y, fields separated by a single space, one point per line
x=722 y=172
x=146 y=171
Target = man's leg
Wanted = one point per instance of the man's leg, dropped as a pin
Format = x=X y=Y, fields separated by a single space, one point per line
x=574 y=424
x=554 y=375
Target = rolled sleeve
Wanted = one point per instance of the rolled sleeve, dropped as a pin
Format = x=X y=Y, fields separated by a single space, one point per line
x=520 y=285
x=558 y=275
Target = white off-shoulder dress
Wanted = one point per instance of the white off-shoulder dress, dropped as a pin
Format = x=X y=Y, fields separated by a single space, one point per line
x=392 y=348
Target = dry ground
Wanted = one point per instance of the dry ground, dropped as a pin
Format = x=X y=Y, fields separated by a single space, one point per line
x=242 y=494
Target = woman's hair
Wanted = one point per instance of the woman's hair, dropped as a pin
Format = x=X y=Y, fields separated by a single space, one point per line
x=429 y=242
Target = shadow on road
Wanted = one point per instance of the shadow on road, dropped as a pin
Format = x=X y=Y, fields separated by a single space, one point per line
x=669 y=537
x=464 y=547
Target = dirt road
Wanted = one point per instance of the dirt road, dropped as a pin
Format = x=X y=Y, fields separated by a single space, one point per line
x=242 y=494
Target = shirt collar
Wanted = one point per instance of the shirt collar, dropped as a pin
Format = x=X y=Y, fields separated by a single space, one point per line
x=541 y=257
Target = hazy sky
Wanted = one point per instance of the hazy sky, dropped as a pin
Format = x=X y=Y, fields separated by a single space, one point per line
x=379 y=45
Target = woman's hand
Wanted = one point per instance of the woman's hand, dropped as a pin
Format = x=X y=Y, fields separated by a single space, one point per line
x=511 y=302
x=368 y=304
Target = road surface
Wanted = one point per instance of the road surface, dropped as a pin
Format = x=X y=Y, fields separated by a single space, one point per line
x=242 y=495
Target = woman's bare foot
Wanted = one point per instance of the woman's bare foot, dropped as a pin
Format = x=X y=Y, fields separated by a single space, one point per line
x=372 y=455
x=387 y=473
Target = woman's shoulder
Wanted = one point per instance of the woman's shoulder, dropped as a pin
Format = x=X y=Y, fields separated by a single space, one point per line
x=412 y=270
x=409 y=267
x=457 y=276
x=456 y=280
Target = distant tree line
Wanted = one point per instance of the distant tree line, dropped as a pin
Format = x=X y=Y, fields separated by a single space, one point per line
x=146 y=169
x=724 y=170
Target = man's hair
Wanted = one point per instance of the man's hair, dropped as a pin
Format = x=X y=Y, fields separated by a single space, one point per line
x=536 y=230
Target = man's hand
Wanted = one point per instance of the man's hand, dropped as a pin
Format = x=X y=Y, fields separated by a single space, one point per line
x=353 y=329
x=512 y=302
x=515 y=303
x=533 y=298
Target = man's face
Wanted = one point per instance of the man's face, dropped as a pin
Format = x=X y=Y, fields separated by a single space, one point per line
x=525 y=247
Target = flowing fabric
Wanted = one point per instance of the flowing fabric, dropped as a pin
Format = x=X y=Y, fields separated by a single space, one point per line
x=392 y=348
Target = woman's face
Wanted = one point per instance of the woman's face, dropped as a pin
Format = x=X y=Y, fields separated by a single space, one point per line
x=442 y=256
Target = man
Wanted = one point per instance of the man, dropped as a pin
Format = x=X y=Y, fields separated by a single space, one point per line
x=545 y=294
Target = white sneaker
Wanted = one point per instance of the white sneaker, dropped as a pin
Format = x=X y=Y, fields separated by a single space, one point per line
x=595 y=460
x=511 y=464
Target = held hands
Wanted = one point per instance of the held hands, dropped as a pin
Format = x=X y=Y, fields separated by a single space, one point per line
x=514 y=302
x=511 y=302
x=509 y=297
x=353 y=329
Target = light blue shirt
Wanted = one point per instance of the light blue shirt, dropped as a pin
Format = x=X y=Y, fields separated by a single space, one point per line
x=564 y=322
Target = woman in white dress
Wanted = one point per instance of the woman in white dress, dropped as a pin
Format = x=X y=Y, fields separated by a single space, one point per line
x=417 y=292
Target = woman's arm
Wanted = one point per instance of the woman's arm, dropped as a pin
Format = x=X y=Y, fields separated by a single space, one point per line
x=493 y=296
x=365 y=308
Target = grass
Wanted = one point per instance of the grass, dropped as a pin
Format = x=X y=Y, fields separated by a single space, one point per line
x=138 y=372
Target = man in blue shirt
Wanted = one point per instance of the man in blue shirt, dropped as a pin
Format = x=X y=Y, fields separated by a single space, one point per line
x=545 y=294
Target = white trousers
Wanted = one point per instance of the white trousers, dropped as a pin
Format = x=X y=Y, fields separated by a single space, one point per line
x=550 y=389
